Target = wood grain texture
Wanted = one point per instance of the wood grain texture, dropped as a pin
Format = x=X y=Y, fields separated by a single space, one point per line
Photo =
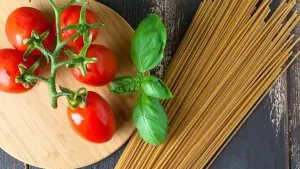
x=107 y=163
x=41 y=136
x=294 y=105
x=133 y=11
x=176 y=18
x=294 y=108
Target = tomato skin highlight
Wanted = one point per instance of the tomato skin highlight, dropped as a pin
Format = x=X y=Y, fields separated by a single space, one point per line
x=96 y=122
x=21 y=22
x=9 y=61
x=100 y=73
x=71 y=16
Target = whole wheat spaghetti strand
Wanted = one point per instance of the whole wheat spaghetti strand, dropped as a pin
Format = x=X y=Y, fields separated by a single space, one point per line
x=192 y=30
x=199 y=81
x=177 y=139
x=204 y=28
x=243 y=103
x=220 y=71
x=278 y=70
x=200 y=62
x=266 y=73
x=216 y=110
x=180 y=118
x=216 y=103
x=189 y=67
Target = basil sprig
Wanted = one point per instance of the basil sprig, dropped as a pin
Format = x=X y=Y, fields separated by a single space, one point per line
x=147 y=51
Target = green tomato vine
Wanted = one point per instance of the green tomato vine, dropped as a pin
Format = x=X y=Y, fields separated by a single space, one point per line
x=27 y=78
x=147 y=51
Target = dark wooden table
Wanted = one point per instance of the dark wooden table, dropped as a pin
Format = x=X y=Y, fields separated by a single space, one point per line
x=270 y=139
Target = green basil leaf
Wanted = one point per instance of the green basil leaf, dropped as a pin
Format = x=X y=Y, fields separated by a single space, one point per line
x=150 y=119
x=154 y=87
x=148 y=43
x=126 y=85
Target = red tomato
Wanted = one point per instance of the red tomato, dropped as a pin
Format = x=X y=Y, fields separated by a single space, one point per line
x=100 y=73
x=9 y=61
x=21 y=22
x=96 y=122
x=71 y=16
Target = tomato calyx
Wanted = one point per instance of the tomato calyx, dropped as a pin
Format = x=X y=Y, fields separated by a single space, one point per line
x=80 y=60
x=26 y=74
x=36 y=42
x=75 y=99
x=82 y=27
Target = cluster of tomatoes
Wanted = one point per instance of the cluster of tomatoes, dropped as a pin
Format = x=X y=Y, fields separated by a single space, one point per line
x=96 y=121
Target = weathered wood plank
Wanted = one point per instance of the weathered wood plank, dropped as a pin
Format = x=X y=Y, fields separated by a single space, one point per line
x=294 y=108
x=294 y=105
x=176 y=15
x=108 y=163
x=132 y=11
x=8 y=162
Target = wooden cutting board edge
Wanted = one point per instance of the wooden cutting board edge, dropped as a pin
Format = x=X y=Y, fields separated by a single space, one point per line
x=123 y=140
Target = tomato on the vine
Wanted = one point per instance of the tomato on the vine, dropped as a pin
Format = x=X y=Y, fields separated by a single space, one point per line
x=21 y=22
x=9 y=61
x=100 y=73
x=71 y=16
x=96 y=122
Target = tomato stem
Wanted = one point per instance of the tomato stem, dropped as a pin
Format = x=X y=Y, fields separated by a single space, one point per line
x=68 y=62
x=68 y=5
x=53 y=5
x=63 y=94
x=80 y=61
x=37 y=78
x=62 y=44
x=52 y=79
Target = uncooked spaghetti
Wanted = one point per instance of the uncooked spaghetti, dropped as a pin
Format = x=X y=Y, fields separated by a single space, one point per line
x=230 y=56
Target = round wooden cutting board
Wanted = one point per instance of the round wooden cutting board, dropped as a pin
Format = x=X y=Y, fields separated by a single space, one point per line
x=35 y=133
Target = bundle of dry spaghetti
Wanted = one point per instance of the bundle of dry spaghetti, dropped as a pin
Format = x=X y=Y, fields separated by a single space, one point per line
x=229 y=58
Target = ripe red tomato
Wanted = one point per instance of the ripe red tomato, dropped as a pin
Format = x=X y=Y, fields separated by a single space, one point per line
x=100 y=73
x=9 y=61
x=96 y=122
x=21 y=22
x=71 y=16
